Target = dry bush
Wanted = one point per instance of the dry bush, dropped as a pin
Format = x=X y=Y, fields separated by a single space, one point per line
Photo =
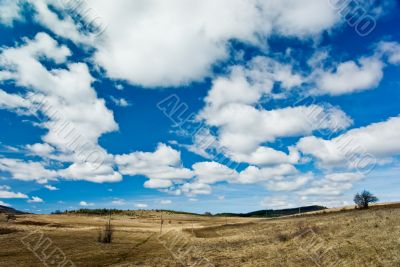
x=11 y=217
x=283 y=237
x=105 y=236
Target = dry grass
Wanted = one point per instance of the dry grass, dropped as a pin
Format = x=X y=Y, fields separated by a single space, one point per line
x=6 y=230
x=349 y=238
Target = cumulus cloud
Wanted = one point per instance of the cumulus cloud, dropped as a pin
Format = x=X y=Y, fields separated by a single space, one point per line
x=88 y=171
x=10 y=11
x=198 y=33
x=27 y=170
x=213 y=172
x=5 y=192
x=141 y=205
x=351 y=76
x=289 y=185
x=121 y=102
x=195 y=188
x=76 y=118
x=358 y=148
x=13 y=101
x=35 y=200
x=85 y=204
x=161 y=166
x=66 y=27
x=165 y=202
x=253 y=174
x=118 y=202
x=267 y=156
x=242 y=128
x=2 y=203
x=65 y=96
x=43 y=150
x=275 y=202
x=391 y=50
x=51 y=187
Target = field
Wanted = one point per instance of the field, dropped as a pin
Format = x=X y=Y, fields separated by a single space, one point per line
x=338 y=238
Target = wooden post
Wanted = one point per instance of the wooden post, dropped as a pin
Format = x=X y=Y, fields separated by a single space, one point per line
x=161 y=223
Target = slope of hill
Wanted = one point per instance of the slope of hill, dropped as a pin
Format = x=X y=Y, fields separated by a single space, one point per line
x=5 y=209
x=274 y=213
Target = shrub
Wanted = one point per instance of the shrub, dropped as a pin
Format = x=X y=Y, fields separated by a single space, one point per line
x=283 y=237
x=11 y=217
x=105 y=236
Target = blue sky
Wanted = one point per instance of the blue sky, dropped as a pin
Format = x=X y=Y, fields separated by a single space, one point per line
x=221 y=106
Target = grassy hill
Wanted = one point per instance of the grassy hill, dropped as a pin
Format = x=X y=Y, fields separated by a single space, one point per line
x=258 y=213
x=8 y=210
x=274 y=213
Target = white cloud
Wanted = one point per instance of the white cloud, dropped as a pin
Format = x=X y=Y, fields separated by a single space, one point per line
x=247 y=84
x=51 y=188
x=391 y=50
x=158 y=183
x=165 y=202
x=63 y=95
x=35 y=200
x=161 y=166
x=43 y=150
x=76 y=117
x=358 y=147
x=242 y=128
x=294 y=18
x=289 y=185
x=281 y=202
x=253 y=174
x=65 y=27
x=178 y=42
x=326 y=188
x=118 y=202
x=195 y=188
x=88 y=171
x=344 y=177
x=332 y=184
x=141 y=205
x=5 y=204
x=121 y=102
x=6 y=193
x=12 y=101
x=10 y=11
x=5 y=187
x=351 y=76
x=85 y=204
x=27 y=171
x=212 y=172
x=266 y=156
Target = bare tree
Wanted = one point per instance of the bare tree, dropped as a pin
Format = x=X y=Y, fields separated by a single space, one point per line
x=362 y=200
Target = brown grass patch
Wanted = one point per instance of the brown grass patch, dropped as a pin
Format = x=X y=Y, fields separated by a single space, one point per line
x=6 y=230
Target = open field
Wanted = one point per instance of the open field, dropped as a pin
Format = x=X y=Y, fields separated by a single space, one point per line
x=344 y=238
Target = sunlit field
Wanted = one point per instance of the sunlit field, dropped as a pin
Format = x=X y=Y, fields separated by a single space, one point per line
x=328 y=238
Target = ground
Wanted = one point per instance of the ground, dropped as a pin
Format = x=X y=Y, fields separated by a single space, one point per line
x=339 y=238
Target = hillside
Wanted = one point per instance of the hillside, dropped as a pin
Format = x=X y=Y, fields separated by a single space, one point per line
x=5 y=209
x=275 y=213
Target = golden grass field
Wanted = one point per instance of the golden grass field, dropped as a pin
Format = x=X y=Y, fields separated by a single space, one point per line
x=337 y=238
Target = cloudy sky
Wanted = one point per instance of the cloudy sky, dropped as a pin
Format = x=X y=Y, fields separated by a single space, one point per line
x=212 y=105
